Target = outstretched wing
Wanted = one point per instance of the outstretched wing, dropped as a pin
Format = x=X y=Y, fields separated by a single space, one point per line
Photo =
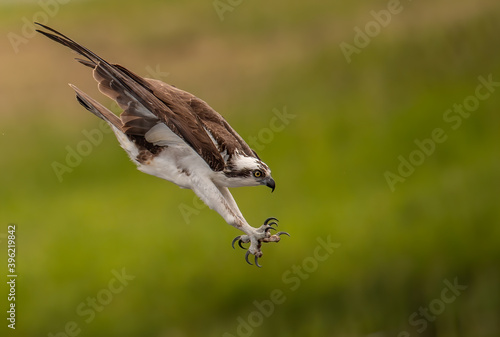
x=148 y=102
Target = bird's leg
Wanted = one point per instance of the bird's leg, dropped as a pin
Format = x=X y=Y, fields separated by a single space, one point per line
x=256 y=236
x=220 y=199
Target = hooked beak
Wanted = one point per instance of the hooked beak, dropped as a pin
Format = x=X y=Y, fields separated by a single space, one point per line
x=271 y=184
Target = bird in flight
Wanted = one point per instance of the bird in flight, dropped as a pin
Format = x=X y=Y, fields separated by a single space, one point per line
x=172 y=134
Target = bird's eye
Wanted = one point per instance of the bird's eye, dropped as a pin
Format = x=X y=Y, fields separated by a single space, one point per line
x=257 y=173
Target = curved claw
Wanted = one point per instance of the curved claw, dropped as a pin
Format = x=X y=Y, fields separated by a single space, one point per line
x=268 y=229
x=246 y=258
x=239 y=242
x=257 y=262
x=272 y=223
x=234 y=240
x=280 y=233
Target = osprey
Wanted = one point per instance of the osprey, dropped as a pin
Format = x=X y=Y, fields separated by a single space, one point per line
x=174 y=135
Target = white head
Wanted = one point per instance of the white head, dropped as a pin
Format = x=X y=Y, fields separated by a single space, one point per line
x=248 y=171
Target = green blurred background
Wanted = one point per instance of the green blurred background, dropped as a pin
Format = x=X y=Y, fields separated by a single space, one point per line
x=397 y=249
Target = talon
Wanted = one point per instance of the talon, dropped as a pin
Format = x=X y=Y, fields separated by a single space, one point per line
x=246 y=258
x=234 y=240
x=268 y=229
x=257 y=237
x=239 y=242
x=272 y=223
x=257 y=262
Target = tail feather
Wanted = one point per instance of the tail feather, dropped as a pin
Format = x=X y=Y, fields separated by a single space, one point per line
x=97 y=109
x=126 y=142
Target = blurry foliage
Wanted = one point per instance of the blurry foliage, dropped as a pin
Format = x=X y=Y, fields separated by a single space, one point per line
x=352 y=121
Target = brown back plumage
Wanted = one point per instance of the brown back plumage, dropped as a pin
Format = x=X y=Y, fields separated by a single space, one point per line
x=146 y=102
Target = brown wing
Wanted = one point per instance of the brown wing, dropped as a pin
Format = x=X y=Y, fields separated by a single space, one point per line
x=143 y=107
x=224 y=135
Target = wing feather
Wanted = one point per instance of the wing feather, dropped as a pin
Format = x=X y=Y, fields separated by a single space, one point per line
x=226 y=138
x=139 y=98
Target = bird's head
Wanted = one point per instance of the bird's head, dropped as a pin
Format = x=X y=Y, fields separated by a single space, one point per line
x=249 y=171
